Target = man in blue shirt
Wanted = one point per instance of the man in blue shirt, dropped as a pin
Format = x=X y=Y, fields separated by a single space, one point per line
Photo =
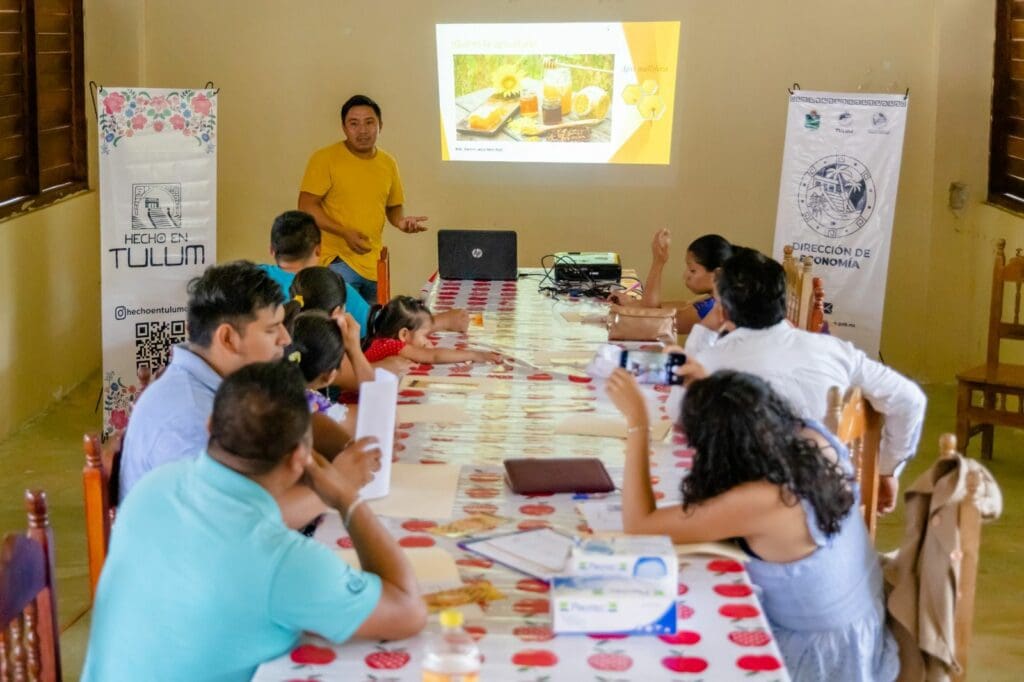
x=204 y=581
x=235 y=317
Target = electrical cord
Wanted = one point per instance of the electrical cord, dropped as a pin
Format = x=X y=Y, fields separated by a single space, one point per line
x=577 y=283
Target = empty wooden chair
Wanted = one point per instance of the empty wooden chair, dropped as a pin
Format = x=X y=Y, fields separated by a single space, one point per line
x=858 y=426
x=383 y=277
x=992 y=394
x=29 y=645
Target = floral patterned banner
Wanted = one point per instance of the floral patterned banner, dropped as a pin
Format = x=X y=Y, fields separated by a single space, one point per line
x=158 y=215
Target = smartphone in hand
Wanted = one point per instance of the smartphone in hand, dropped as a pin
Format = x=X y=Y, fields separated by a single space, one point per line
x=651 y=367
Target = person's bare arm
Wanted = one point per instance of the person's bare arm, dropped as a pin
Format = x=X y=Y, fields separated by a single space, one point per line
x=329 y=437
x=400 y=612
x=313 y=205
x=743 y=511
x=360 y=366
x=659 y=257
x=433 y=356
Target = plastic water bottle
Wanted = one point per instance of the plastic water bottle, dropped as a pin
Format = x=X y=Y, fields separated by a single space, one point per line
x=451 y=655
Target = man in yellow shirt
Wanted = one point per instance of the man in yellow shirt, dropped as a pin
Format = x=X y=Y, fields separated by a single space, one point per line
x=350 y=188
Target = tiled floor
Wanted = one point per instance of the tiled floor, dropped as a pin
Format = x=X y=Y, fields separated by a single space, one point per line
x=47 y=454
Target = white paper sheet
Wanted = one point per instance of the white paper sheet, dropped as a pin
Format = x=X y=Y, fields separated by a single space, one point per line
x=376 y=417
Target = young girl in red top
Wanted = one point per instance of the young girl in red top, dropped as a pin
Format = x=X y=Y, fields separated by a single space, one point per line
x=401 y=328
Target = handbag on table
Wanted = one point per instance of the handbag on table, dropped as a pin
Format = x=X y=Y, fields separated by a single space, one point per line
x=632 y=323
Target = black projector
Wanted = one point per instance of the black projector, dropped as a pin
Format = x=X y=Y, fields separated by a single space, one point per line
x=587 y=266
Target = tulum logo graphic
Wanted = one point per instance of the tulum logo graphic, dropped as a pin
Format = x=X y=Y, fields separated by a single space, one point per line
x=477 y=253
x=836 y=196
x=156 y=206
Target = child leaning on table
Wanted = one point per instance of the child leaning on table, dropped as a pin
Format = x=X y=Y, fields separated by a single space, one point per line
x=782 y=488
x=401 y=328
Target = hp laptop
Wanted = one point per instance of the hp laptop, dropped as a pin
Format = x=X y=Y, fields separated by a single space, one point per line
x=477 y=254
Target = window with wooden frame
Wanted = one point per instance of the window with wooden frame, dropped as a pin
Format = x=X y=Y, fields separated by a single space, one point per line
x=43 y=146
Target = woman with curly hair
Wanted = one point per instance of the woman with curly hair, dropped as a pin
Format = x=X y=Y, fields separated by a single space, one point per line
x=782 y=488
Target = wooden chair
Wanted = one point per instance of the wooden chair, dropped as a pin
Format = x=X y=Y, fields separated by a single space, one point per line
x=969 y=523
x=383 y=277
x=858 y=426
x=968 y=529
x=816 y=320
x=101 y=488
x=799 y=289
x=29 y=645
x=992 y=394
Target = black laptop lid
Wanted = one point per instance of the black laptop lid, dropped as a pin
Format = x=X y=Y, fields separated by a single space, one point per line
x=477 y=254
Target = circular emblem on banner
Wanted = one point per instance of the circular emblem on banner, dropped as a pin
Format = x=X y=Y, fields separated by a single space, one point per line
x=836 y=196
x=477 y=253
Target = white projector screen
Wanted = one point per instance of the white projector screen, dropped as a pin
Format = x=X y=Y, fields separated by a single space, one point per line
x=560 y=93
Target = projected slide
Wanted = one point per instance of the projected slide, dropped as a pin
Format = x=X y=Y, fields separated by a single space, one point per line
x=560 y=93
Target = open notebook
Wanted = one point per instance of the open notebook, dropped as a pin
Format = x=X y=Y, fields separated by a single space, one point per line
x=541 y=553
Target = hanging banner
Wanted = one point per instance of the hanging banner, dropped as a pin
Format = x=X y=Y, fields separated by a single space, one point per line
x=158 y=223
x=837 y=197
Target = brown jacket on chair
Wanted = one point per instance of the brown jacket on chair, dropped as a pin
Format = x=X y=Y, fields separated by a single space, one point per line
x=936 y=566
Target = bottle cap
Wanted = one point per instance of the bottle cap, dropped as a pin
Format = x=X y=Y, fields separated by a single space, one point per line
x=451 y=618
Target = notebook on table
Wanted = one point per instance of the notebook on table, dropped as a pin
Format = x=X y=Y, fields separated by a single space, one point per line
x=477 y=254
x=532 y=476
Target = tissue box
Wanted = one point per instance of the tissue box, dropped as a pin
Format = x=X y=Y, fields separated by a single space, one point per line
x=622 y=583
x=588 y=604
x=650 y=558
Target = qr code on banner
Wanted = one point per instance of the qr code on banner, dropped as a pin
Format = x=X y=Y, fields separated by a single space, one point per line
x=153 y=342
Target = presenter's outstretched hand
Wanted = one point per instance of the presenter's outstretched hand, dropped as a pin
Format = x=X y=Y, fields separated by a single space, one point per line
x=357 y=241
x=412 y=224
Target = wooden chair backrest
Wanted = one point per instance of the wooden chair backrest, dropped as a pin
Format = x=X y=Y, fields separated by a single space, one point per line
x=383 y=277
x=29 y=645
x=816 y=319
x=969 y=525
x=858 y=426
x=100 y=491
x=799 y=288
x=101 y=487
x=1004 y=273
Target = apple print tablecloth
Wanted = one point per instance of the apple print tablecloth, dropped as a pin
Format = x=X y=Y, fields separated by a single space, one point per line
x=722 y=635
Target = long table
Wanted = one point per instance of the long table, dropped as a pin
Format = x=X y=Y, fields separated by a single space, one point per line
x=722 y=635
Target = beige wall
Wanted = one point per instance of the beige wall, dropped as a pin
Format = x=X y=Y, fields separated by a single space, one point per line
x=963 y=243
x=284 y=68
x=284 y=71
x=49 y=259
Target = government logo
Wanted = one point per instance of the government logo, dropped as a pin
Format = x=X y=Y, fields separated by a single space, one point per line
x=836 y=196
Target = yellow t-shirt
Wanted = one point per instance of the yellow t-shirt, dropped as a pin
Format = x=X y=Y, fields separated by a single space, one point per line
x=356 y=193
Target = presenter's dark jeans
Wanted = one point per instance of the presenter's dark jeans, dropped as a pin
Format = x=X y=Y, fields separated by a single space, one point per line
x=367 y=288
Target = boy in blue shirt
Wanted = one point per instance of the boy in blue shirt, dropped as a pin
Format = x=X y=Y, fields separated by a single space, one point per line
x=295 y=245
x=204 y=581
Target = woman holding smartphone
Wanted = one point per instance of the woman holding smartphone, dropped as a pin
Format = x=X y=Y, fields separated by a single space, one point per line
x=782 y=488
